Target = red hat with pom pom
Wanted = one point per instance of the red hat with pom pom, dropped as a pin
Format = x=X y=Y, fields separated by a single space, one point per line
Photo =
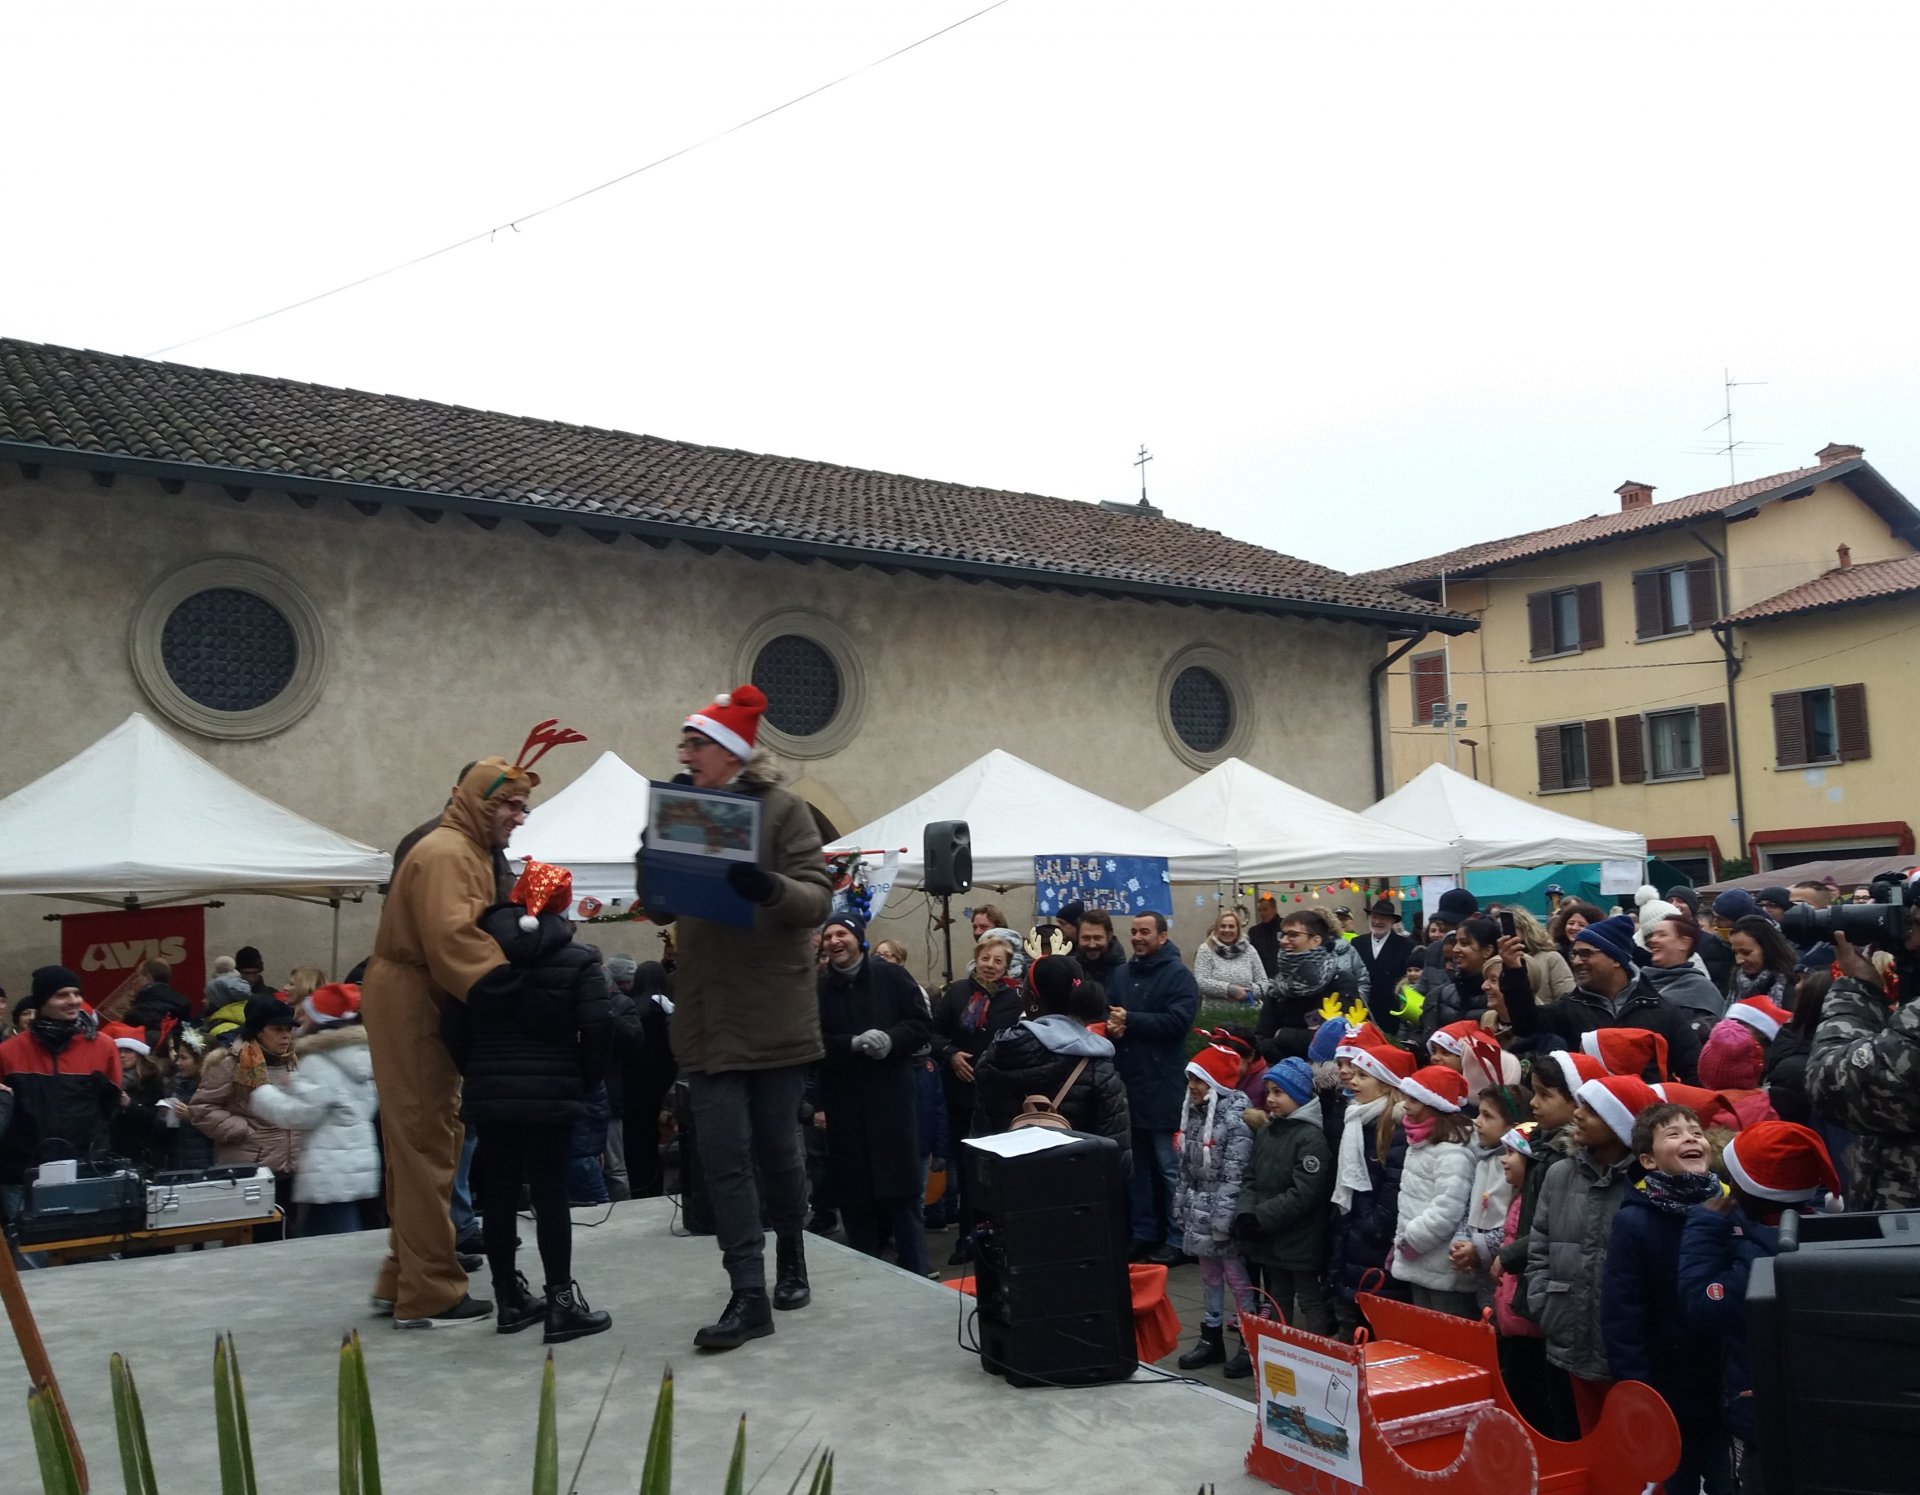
x=733 y=720
x=1781 y=1161
x=542 y=888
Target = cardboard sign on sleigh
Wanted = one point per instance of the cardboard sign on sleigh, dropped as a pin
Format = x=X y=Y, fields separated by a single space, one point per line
x=1422 y=1408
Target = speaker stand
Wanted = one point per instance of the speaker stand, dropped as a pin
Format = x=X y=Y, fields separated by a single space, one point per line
x=946 y=929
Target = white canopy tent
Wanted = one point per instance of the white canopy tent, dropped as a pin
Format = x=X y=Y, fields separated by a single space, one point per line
x=1017 y=812
x=1281 y=832
x=139 y=818
x=1490 y=829
x=592 y=828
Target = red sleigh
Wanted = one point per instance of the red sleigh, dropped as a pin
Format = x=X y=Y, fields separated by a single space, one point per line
x=1422 y=1408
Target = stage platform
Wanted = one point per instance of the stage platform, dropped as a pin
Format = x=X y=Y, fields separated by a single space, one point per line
x=871 y=1368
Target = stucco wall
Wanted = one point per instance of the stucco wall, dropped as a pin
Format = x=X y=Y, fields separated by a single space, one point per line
x=1794 y=540
x=447 y=641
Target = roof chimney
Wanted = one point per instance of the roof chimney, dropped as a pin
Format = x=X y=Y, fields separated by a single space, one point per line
x=1845 y=552
x=1635 y=495
x=1837 y=451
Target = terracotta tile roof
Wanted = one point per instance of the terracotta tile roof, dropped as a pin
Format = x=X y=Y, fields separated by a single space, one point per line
x=147 y=416
x=1862 y=583
x=1470 y=560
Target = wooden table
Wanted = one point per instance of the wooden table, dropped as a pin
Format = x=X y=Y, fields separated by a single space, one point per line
x=82 y=1248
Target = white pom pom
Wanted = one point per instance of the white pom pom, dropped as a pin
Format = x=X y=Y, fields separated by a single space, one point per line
x=529 y=923
x=725 y=698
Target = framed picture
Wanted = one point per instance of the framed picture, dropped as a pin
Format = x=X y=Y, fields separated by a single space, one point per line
x=714 y=823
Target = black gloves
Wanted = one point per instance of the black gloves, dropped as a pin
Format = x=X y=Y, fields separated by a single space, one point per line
x=1245 y=1228
x=755 y=884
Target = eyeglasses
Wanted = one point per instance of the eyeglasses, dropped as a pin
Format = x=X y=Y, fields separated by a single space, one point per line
x=518 y=807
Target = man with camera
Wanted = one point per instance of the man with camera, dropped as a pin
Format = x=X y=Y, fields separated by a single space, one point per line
x=1864 y=1071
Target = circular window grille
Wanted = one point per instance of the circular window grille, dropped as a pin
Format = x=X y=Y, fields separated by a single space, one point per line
x=801 y=682
x=1201 y=709
x=229 y=650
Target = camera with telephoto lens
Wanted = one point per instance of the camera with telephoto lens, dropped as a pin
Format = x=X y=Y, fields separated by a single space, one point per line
x=1882 y=922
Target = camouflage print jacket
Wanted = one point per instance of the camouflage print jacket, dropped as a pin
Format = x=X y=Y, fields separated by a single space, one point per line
x=1865 y=1074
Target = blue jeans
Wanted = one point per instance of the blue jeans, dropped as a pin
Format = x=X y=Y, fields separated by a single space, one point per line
x=339 y=1218
x=462 y=1207
x=1150 y=1188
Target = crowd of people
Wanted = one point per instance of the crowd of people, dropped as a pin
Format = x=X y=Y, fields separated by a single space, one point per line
x=1587 y=1128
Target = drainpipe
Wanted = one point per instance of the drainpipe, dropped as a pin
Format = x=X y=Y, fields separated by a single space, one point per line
x=1373 y=703
x=1723 y=636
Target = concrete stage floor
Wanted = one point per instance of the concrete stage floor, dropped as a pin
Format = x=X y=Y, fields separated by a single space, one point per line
x=871 y=1368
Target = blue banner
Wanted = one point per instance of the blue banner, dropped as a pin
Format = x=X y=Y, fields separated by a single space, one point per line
x=1123 y=886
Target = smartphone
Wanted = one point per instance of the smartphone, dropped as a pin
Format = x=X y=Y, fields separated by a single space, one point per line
x=1506 y=924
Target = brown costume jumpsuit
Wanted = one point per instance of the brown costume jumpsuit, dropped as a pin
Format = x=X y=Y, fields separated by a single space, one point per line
x=430 y=948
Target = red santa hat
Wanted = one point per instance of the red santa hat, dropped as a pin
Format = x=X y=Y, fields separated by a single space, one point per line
x=733 y=720
x=1437 y=1086
x=1453 y=1038
x=1713 y=1108
x=126 y=1036
x=1628 y=1051
x=1616 y=1100
x=1219 y=1067
x=1574 y=1069
x=542 y=888
x=1782 y=1161
x=1762 y=1014
x=336 y=1002
x=1366 y=1036
x=1387 y=1064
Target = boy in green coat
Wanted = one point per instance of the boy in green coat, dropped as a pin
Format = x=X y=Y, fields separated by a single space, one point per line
x=1282 y=1210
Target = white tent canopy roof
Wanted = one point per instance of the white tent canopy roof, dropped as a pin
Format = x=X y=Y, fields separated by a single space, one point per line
x=1492 y=829
x=138 y=813
x=1283 y=832
x=1017 y=812
x=592 y=828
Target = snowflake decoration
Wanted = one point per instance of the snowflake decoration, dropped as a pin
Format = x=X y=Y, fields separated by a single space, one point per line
x=1112 y=865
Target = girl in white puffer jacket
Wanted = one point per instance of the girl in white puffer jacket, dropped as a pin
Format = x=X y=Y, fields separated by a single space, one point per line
x=1436 y=1187
x=331 y=1098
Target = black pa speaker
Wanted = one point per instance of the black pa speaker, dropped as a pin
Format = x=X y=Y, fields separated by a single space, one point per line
x=948 y=862
x=1050 y=1270
x=696 y=1207
x=1833 y=1323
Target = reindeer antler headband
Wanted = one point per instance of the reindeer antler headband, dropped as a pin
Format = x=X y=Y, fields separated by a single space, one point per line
x=543 y=739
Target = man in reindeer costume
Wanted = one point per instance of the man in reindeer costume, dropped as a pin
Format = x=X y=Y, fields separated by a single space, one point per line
x=430 y=950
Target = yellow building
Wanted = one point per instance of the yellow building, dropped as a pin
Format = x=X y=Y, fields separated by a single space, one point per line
x=1710 y=671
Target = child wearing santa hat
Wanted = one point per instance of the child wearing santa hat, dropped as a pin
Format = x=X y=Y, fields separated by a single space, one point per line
x=1435 y=1189
x=1772 y=1167
x=1212 y=1147
x=1366 y=1175
x=1567 y=1249
x=1647 y=1338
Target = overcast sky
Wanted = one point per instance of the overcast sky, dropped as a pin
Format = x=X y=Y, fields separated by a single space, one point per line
x=1368 y=280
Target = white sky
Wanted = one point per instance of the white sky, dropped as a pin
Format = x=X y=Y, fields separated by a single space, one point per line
x=1369 y=280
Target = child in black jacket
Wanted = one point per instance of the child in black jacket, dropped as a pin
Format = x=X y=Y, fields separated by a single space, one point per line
x=532 y=1043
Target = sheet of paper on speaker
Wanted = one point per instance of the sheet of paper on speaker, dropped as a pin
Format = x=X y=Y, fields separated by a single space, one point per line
x=1019 y=1144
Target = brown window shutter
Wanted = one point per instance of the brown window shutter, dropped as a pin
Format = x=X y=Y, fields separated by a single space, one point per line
x=1630 y=750
x=1546 y=747
x=1703 y=593
x=1599 y=755
x=1850 y=722
x=1540 y=624
x=1714 y=757
x=1591 y=634
x=1429 y=675
x=1789 y=730
x=1646 y=604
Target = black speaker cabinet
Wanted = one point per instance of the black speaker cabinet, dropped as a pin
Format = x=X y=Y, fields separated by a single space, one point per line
x=948 y=858
x=1050 y=1265
x=1833 y=1345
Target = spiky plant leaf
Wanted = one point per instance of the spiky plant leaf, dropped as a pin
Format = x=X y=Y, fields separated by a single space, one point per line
x=737 y=1465
x=546 y=1439
x=369 y=1435
x=656 y=1474
x=58 y=1476
x=136 y=1455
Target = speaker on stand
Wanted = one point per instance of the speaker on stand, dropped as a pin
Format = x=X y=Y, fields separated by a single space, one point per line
x=946 y=869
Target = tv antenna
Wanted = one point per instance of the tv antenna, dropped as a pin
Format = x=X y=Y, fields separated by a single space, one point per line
x=1730 y=384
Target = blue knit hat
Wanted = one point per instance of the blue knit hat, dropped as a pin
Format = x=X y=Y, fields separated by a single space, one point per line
x=1735 y=903
x=1326 y=1038
x=1612 y=937
x=1293 y=1076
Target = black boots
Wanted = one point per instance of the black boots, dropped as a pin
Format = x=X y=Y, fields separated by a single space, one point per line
x=568 y=1316
x=747 y=1316
x=517 y=1307
x=790 y=1289
x=1240 y=1367
x=1207 y=1350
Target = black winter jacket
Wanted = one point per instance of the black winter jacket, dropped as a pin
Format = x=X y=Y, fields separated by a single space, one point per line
x=154 y=1003
x=1363 y=1236
x=1786 y=1077
x=534 y=1041
x=951 y=1035
x=1020 y=1062
x=1160 y=997
x=1581 y=1011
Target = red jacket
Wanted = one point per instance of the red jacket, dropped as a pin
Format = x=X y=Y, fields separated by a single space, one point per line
x=63 y=1099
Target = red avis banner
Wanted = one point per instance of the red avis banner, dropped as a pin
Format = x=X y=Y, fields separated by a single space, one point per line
x=108 y=950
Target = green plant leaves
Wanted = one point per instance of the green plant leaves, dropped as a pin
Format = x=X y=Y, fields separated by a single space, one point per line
x=230 y=1419
x=546 y=1439
x=656 y=1475
x=737 y=1465
x=136 y=1458
x=57 y=1473
x=359 y=1448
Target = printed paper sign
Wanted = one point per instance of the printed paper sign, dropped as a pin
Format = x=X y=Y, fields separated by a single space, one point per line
x=1430 y=890
x=1123 y=886
x=1309 y=1411
x=1621 y=875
